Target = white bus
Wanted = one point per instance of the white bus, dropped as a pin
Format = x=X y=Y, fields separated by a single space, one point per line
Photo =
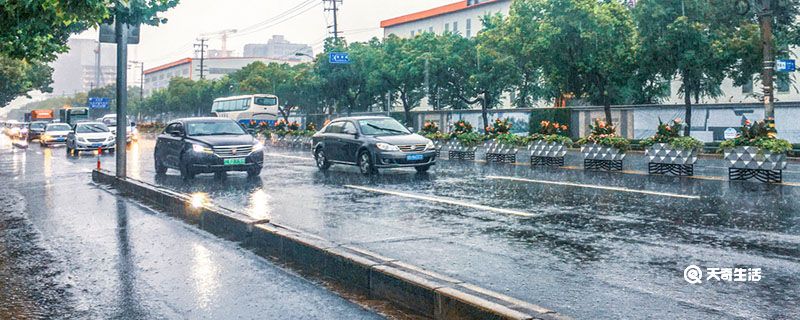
x=258 y=108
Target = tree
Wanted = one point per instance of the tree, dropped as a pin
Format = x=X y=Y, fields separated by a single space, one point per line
x=685 y=39
x=403 y=71
x=20 y=76
x=591 y=47
x=354 y=86
x=38 y=29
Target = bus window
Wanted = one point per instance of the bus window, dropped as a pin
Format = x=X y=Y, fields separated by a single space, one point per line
x=266 y=101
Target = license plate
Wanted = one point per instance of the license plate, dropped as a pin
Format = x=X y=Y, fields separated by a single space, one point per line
x=59 y=139
x=414 y=157
x=233 y=162
x=96 y=145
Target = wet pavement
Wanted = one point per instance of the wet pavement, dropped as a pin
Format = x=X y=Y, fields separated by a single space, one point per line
x=586 y=244
x=71 y=249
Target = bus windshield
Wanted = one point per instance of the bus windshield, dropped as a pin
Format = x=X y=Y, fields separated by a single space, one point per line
x=266 y=101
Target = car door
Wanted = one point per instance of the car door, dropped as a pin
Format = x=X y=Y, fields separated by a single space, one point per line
x=171 y=144
x=332 y=141
x=349 y=142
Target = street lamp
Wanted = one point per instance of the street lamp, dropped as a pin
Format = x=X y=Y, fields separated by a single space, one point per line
x=301 y=54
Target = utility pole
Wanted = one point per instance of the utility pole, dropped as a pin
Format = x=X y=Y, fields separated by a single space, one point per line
x=335 y=11
x=202 y=45
x=767 y=75
x=121 y=35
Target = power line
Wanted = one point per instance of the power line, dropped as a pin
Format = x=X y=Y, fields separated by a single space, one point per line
x=283 y=17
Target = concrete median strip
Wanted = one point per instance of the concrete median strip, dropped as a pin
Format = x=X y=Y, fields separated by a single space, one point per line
x=354 y=270
x=591 y=186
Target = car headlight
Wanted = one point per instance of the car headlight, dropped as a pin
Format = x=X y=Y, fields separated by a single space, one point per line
x=387 y=147
x=258 y=146
x=80 y=139
x=109 y=138
x=201 y=149
x=46 y=137
x=430 y=146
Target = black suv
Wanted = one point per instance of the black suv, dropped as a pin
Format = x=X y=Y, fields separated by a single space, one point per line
x=207 y=145
x=36 y=130
x=372 y=143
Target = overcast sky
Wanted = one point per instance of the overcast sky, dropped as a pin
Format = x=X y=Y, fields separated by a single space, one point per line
x=359 y=19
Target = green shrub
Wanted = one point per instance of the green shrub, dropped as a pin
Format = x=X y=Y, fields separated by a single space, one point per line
x=551 y=115
x=757 y=135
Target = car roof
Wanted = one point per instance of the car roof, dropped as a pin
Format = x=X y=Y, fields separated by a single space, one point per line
x=361 y=118
x=198 y=119
x=89 y=122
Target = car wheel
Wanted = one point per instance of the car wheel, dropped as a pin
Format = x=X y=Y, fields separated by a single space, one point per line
x=255 y=172
x=160 y=168
x=322 y=160
x=423 y=169
x=186 y=172
x=365 y=163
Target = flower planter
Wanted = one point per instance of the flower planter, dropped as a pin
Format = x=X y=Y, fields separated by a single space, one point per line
x=752 y=162
x=600 y=157
x=499 y=152
x=547 y=153
x=458 y=151
x=663 y=159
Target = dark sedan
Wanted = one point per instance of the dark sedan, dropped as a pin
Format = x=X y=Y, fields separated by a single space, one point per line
x=207 y=145
x=372 y=143
x=36 y=130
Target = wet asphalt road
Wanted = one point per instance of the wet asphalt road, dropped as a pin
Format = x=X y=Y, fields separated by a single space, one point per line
x=570 y=246
x=70 y=249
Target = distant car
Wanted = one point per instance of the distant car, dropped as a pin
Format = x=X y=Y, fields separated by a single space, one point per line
x=36 y=129
x=207 y=145
x=110 y=120
x=372 y=143
x=90 y=136
x=16 y=130
x=55 y=133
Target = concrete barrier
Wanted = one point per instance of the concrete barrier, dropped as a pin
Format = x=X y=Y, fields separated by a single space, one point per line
x=355 y=270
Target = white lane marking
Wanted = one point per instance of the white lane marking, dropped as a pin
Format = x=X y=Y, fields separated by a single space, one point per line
x=445 y=201
x=591 y=186
x=287 y=156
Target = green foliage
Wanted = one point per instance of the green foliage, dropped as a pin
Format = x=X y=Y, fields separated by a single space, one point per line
x=670 y=133
x=509 y=139
x=460 y=127
x=437 y=136
x=553 y=128
x=686 y=143
x=606 y=135
x=429 y=127
x=499 y=127
x=470 y=139
x=557 y=138
x=757 y=134
x=39 y=29
x=552 y=115
x=20 y=76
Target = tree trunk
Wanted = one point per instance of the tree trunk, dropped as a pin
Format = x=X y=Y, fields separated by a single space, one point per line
x=607 y=109
x=484 y=113
x=687 y=97
x=406 y=109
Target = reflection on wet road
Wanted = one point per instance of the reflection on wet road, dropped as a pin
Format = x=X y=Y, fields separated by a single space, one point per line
x=587 y=244
x=89 y=254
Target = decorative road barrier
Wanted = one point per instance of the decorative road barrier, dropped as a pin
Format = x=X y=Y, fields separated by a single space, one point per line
x=547 y=153
x=663 y=159
x=752 y=162
x=600 y=157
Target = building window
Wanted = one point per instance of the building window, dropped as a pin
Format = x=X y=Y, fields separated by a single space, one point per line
x=446 y=27
x=412 y=33
x=430 y=29
x=469 y=28
x=455 y=27
x=747 y=88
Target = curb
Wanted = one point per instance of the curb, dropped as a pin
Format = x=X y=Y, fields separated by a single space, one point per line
x=356 y=270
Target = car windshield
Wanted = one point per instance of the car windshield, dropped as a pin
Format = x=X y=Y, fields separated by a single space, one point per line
x=110 y=121
x=213 y=128
x=91 y=128
x=38 y=125
x=382 y=127
x=58 y=127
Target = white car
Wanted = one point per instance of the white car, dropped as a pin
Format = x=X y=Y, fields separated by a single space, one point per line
x=90 y=136
x=110 y=120
x=55 y=133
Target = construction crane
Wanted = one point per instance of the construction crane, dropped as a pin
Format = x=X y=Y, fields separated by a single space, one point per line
x=223 y=35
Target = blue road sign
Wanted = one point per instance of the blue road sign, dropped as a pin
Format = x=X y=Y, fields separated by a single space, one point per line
x=339 y=57
x=98 y=103
x=787 y=65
